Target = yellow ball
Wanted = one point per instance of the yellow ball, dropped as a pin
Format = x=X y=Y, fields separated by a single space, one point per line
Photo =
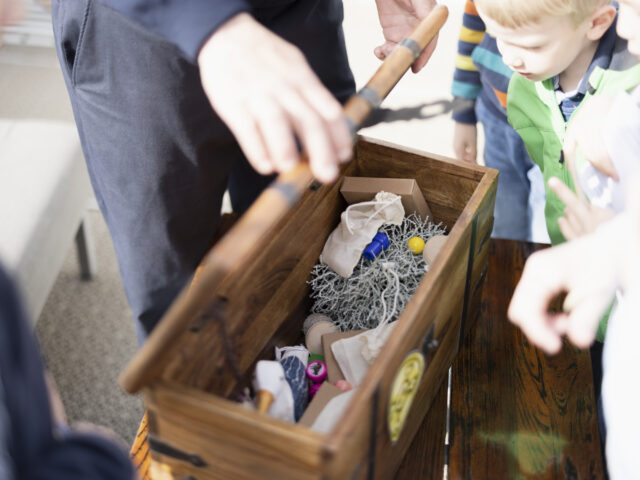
x=416 y=245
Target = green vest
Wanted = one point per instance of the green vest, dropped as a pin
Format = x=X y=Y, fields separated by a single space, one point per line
x=534 y=113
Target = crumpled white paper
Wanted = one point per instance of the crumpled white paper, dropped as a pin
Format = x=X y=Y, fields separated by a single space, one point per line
x=359 y=223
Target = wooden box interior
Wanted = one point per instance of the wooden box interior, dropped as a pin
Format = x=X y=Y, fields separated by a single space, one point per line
x=263 y=303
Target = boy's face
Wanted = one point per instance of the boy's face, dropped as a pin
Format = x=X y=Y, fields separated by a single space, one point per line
x=542 y=50
x=629 y=24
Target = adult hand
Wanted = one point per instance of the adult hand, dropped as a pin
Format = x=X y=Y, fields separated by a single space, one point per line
x=585 y=133
x=580 y=217
x=465 y=142
x=263 y=89
x=586 y=270
x=398 y=19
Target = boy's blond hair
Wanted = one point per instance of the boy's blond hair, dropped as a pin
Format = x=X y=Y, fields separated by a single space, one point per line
x=516 y=13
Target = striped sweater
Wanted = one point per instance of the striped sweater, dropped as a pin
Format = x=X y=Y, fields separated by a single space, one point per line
x=480 y=71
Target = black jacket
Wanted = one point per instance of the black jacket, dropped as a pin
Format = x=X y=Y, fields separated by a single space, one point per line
x=188 y=23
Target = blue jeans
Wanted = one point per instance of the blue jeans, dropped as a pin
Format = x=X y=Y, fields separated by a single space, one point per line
x=519 y=211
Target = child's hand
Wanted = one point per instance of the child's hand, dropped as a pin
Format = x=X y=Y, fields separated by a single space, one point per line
x=580 y=217
x=589 y=269
x=583 y=269
x=465 y=142
x=585 y=133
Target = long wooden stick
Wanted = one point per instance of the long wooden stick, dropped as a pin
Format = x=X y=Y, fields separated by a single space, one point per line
x=272 y=206
x=360 y=106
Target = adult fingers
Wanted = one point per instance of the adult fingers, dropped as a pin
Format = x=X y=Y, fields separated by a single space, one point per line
x=315 y=135
x=422 y=9
x=424 y=57
x=330 y=112
x=249 y=137
x=383 y=51
x=276 y=132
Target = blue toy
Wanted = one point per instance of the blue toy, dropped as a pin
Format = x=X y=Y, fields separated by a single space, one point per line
x=379 y=243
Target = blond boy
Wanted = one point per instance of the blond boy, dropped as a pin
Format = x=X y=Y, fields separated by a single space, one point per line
x=563 y=51
x=607 y=130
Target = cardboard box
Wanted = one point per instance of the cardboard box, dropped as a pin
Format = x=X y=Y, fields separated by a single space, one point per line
x=333 y=369
x=362 y=189
x=319 y=401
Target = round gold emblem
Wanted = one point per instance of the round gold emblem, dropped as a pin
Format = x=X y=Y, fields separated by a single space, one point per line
x=403 y=390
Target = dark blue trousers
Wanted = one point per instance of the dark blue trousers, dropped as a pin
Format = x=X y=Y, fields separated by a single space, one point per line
x=158 y=156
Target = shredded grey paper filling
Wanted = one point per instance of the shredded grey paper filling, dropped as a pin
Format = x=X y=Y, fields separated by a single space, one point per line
x=355 y=303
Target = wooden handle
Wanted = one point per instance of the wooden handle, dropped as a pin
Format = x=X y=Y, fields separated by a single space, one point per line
x=359 y=106
x=236 y=248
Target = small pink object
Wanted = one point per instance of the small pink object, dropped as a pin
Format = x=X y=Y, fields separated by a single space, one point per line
x=313 y=389
x=317 y=371
x=343 y=385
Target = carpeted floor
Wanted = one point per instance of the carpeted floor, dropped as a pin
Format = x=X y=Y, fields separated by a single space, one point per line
x=87 y=337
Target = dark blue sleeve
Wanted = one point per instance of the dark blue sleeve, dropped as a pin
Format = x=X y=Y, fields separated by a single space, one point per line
x=34 y=450
x=186 y=23
x=80 y=456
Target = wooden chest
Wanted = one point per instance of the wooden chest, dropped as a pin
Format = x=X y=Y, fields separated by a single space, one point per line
x=205 y=348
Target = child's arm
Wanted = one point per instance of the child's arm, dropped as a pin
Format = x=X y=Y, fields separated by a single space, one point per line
x=574 y=268
x=589 y=270
x=580 y=217
x=466 y=85
x=465 y=141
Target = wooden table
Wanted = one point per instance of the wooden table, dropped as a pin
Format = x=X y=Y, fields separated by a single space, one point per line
x=515 y=412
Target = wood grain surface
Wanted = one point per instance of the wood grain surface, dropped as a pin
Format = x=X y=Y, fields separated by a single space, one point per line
x=426 y=455
x=515 y=412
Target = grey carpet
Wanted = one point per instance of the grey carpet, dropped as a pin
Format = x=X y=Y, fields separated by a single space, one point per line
x=86 y=336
